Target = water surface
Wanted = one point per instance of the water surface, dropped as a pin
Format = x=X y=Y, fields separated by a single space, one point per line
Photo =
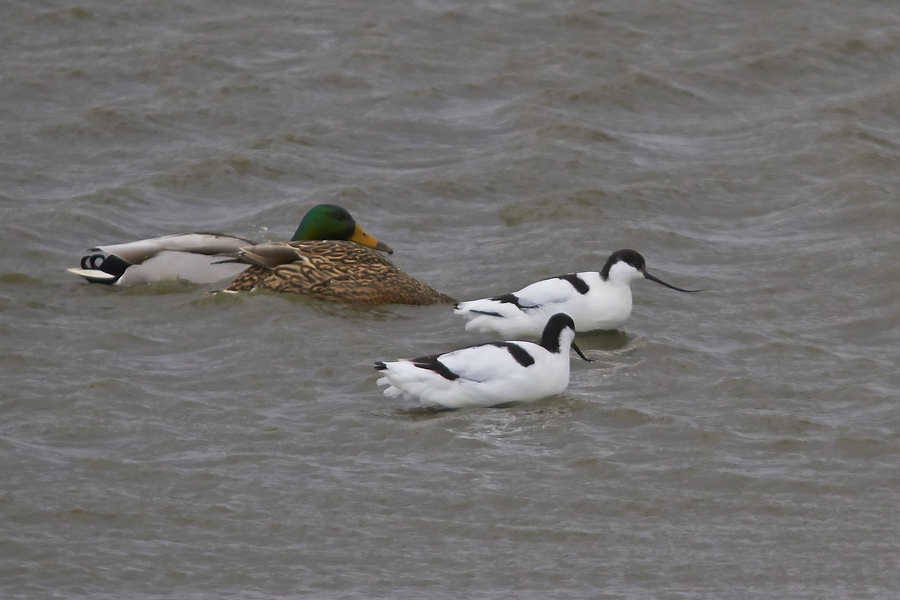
x=740 y=443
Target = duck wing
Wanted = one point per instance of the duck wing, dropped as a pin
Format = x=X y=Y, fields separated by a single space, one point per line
x=196 y=243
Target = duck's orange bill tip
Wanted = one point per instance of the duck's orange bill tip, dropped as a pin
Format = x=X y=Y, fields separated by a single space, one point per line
x=363 y=238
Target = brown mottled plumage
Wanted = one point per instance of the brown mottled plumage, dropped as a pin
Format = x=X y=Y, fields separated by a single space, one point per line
x=331 y=270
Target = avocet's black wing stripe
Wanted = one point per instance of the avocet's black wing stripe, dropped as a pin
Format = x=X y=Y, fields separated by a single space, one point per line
x=487 y=312
x=519 y=353
x=433 y=364
x=511 y=299
x=577 y=282
x=430 y=363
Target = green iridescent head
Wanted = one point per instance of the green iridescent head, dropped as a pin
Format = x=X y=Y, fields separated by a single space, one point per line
x=330 y=222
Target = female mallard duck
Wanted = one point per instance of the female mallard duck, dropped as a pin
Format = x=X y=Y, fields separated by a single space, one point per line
x=340 y=271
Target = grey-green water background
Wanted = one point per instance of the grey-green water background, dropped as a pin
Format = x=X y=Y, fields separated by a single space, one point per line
x=158 y=443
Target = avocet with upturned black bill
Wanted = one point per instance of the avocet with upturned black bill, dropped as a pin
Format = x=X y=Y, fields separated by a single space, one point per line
x=487 y=374
x=594 y=300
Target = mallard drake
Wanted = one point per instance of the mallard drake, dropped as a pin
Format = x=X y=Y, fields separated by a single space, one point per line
x=197 y=257
x=340 y=271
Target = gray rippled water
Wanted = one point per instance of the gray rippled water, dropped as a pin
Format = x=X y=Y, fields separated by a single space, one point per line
x=158 y=442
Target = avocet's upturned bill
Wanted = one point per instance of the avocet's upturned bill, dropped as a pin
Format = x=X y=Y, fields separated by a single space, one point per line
x=487 y=374
x=594 y=300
